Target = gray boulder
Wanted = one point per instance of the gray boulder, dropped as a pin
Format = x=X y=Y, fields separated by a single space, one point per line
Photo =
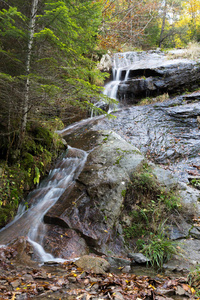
x=93 y=264
x=105 y=63
x=138 y=258
x=93 y=206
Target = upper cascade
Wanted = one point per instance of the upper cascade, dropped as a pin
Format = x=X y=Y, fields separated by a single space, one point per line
x=122 y=63
x=136 y=75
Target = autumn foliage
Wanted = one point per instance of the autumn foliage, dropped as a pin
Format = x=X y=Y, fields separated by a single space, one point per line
x=124 y=22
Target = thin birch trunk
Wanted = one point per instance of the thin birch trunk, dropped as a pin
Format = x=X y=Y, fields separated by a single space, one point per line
x=26 y=103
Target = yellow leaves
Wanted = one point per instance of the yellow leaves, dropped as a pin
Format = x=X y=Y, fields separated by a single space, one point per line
x=152 y=287
x=13 y=297
x=73 y=273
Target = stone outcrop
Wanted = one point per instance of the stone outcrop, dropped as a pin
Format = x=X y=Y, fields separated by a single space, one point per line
x=105 y=64
x=173 y=77
x=93 y=264
x=151 y=73
x=93 y=206
x=86 y=218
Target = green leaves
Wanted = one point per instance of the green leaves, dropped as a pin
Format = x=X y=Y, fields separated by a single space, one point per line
x=8 y=20
x=159 y=249
x=37 y=176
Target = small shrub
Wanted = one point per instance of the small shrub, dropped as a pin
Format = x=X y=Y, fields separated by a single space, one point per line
x=159 y=249
x=171 y=201
x=148 y=204
x=195 y=182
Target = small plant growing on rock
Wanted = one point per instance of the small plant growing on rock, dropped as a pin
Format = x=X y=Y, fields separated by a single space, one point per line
x=151 y=100
x=159 y=249
x=149 y=207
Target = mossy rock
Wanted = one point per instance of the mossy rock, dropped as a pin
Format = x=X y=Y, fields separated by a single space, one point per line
x=6 y=215
x=27 y=161
x=44 y=137
x=29 y=145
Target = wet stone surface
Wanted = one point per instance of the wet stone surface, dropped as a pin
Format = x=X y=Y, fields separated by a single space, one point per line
x=167 y=133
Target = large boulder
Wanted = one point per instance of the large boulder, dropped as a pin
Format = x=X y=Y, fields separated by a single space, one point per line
x=105 y=63
x=93 y=206
x=97 y=265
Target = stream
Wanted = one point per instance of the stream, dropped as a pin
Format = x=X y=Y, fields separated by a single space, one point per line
x=30 y=222
x=166 y=133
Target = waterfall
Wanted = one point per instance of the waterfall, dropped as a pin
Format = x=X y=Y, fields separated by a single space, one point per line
x=30 y=222
x=121 y=63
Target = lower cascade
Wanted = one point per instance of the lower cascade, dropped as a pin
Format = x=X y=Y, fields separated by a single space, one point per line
x=30 y=222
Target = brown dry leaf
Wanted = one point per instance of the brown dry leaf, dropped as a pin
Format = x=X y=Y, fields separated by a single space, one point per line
x=186 y=287
x=88 y=296
x=194 y=173
x=196 y=166
x=171 y=283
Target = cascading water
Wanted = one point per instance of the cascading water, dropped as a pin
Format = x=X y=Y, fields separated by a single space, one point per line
x=123 y=63
x=30 y=223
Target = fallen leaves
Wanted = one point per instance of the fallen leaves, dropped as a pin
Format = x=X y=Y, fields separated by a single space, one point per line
x=73 y=282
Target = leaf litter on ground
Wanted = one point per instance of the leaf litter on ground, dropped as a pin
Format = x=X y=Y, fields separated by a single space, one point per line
x=67 y=281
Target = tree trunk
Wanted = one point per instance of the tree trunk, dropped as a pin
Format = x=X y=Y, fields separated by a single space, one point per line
x=26 y=104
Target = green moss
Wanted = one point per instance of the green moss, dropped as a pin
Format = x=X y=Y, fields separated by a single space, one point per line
x=11 y=192
x=44 y=137
x=27 y=161
x=123 y=193
x=6 y=214
x=29 y=145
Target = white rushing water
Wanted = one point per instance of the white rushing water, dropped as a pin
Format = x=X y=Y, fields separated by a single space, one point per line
x=122 y=62
x=30 y=222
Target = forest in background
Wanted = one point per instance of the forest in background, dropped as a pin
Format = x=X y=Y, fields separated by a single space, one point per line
x=48 y=76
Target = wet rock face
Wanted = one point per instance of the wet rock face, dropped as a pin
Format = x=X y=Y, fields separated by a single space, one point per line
x=93 y=206
x=64 y=242
x=167 y=133
x=150 y=73
x=172 y=78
